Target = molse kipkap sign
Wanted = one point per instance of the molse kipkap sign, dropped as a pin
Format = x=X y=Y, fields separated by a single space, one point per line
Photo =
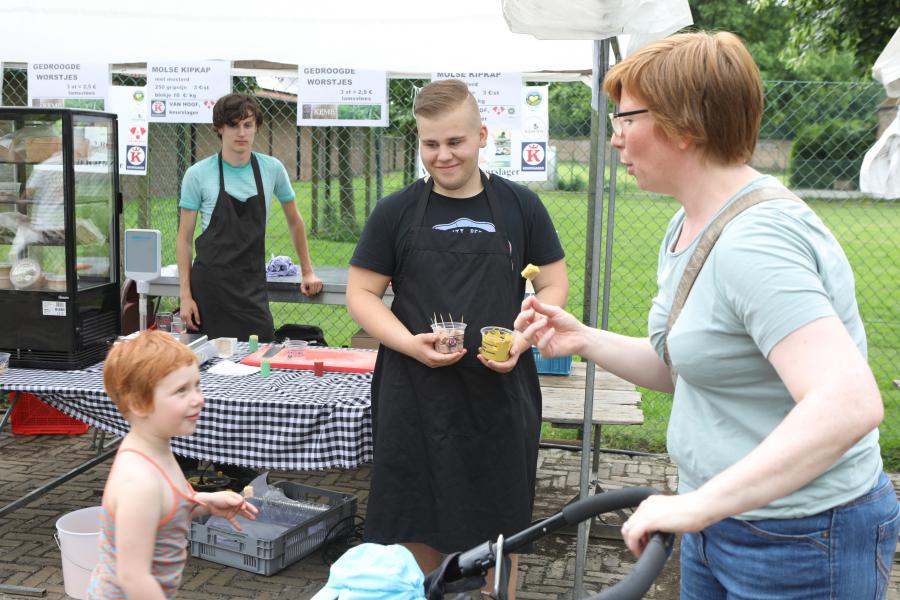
x=186 y=92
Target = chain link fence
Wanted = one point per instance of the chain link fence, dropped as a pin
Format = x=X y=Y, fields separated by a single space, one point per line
x=814 y=135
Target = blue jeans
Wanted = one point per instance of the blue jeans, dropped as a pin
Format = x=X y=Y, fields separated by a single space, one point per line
x=844 y=553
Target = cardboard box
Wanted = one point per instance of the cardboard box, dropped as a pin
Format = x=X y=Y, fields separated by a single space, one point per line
x=81 y=148
x=361 y=339
x=39 y=149
x=8 y=153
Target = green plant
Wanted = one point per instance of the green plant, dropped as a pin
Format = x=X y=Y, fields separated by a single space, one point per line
x=813 y=163
x=573 y=183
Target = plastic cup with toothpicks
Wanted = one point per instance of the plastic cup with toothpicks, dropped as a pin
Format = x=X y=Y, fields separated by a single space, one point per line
x=451 y=335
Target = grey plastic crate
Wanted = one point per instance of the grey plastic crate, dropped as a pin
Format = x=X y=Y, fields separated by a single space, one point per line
x=267 y=557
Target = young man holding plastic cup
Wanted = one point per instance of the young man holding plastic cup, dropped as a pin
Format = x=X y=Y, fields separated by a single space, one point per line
x=456 y=434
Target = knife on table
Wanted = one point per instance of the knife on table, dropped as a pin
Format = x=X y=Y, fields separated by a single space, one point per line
x=272 y=350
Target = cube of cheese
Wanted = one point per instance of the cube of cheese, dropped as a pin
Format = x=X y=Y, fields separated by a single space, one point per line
x=530 y=271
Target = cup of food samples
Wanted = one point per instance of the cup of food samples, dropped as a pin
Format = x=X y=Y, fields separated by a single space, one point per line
x=496 y=342
x=451 y=336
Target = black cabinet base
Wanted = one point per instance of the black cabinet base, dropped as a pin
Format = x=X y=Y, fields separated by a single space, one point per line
x=56 y=360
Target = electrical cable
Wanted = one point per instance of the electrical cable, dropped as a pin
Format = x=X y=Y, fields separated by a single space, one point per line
x=342 y=536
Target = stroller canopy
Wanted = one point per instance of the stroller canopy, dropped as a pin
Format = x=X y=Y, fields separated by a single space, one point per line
x=374 y=572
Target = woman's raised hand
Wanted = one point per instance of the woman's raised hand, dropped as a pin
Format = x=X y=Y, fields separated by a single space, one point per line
x=554 y=331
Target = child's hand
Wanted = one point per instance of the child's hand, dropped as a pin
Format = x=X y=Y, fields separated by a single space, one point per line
x=227 y=505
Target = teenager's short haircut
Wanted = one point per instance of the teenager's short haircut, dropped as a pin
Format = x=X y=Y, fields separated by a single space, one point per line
x=700 y=85
x=234 y=108
x=440 y=97
x=134 y=367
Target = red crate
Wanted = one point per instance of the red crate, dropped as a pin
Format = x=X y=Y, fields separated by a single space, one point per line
x=32 y=416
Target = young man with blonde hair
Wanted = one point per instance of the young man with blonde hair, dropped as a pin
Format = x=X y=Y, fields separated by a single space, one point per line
x=456 y=435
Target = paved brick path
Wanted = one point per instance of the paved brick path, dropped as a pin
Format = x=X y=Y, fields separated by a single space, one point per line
x=29 y=556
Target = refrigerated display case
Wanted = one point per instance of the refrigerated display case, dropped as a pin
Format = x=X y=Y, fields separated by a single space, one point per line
x=60 y=209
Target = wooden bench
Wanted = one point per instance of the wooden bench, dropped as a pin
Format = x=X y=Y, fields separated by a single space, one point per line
x=616 y=402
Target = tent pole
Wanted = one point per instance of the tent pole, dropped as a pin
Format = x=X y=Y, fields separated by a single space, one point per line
x=379 y=164
x=600 y=66
x=610 y=226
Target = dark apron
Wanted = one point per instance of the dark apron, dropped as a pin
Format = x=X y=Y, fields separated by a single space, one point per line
x=455 y=447
x=228 y=278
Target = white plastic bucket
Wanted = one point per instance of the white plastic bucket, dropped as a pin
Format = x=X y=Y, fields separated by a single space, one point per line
x=78 y=537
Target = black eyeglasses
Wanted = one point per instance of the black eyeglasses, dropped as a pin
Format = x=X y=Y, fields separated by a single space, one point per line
x=615 y=116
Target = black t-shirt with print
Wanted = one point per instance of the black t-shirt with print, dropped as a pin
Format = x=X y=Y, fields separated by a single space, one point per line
x=531 y=233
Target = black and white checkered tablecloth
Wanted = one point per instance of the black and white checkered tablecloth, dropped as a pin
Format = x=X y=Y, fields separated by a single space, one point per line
x=289 y=420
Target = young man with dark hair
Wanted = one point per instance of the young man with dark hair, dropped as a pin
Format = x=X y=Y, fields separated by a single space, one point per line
x=223 y=293
x=456 y=435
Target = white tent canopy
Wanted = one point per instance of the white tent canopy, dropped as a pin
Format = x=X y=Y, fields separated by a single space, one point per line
x=400 y=36
x=880 y=171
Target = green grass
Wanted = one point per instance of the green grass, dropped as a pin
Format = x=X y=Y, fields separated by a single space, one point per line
x=866 y=230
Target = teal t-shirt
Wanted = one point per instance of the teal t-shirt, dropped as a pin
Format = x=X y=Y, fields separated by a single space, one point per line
x=200 y=186
x=775 y=268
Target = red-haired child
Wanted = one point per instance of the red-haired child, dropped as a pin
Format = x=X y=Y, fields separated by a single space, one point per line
x=147 y=503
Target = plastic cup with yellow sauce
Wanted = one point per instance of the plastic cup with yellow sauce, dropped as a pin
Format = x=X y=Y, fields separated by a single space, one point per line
x=496 y=342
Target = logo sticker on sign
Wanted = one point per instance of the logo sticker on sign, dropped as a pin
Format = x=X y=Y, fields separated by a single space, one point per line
x=158 y=108
x=534 y=155
x=135 y=157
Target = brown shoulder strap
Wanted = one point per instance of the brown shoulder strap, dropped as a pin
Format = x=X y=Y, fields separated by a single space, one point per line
x=704 y=247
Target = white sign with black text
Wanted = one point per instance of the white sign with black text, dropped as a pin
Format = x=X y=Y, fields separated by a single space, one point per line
x=133 y=108
x=344 y=96
x=185 y=92
x=67 y=85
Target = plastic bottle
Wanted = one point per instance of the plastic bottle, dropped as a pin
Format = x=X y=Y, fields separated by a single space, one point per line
x=275 y=507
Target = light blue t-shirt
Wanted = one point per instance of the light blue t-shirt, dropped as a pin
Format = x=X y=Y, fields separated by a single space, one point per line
x=200 y=186
x=775 y=268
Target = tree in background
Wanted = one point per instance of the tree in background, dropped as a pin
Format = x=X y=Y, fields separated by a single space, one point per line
x=762 y=27
x=402 y=94
x=801 y=41
x=861 y=28
x=773 y=31
x=569 y=110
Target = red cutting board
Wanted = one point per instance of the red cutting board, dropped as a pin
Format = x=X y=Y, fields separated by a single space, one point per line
x=333 y=359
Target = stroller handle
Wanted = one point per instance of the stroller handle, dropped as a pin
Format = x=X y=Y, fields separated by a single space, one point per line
x=598 y=504
x=655 y=554
x=478 y=560
x=643 y=573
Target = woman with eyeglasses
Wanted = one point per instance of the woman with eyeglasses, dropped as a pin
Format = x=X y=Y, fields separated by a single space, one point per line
x=774 y=423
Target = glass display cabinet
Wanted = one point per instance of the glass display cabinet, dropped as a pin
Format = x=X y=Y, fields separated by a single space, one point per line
x=59 y=236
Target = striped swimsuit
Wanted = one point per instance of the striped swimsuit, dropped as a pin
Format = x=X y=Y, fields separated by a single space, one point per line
x=169 y=551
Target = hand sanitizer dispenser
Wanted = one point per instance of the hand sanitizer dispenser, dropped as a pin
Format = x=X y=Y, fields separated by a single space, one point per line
x=143 y=263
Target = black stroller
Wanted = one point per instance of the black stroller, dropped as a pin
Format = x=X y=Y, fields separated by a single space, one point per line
x=465 y=571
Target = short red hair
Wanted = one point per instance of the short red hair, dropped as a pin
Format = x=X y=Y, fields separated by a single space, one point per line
x=701 y=85
x=134 y=367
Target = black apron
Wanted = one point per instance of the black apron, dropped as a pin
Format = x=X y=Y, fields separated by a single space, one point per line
x=455 y=447
x=228 y=277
